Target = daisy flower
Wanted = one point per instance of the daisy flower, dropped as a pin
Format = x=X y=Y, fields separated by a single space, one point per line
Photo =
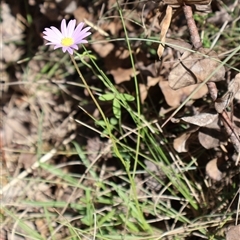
x=68 y=37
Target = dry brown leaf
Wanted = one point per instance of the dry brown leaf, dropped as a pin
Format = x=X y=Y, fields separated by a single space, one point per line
x=103 y=49
x=211 y=135
x=213 y=171
x=201 y=119
x=143 y=89
x=80 y=14
x=175 y=97
x=121 y=75
x=195 y=68
x=152 y=81
x=188 y=2
x=180 y=144
x=233 y=233
x=164 y=28
x=200 y=5
x=178 y=45
x=222 y=103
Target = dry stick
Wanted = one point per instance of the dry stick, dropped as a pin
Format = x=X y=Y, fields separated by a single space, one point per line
x=196 y=41
x=195 y=38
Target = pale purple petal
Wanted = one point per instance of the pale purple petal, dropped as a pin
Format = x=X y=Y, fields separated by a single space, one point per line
x=70 y=27
x=64 y=28
x=79 y=27
x=70 y=50
x=75 y=46
x=80 y=38
x=55 y=37
x=82 y=41
x=50 y=36
x=77 y=34
x=57 y=32
x=52 y=41
x=53 y=34
x=57 y=46
x=64 y=49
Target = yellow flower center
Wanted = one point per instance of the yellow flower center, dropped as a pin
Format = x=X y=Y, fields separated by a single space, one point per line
x=67 y=41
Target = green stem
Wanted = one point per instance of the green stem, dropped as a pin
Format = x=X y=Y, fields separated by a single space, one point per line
x=138 y=121
x=89 y=90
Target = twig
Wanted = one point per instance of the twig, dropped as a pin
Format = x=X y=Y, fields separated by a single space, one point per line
x=195 y=37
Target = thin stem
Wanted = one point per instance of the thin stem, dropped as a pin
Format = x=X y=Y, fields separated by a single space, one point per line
x=89 y=90
x=136 y=88
x=133 y=184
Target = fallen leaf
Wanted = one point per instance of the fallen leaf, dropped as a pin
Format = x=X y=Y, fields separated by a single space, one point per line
x=212 y=169
x=143 y=89
x=121 y=75
x=180 y=144
x=201 y=119
x=196 y=67
x=175 y=97
x=233 y=233
x=188 y=2
x=178 y=45
x=103 y=49
x=212 y=135
x=164 y=28
x=80 y=13
x=222 y=103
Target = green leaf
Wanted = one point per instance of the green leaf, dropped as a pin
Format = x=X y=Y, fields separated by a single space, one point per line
x=116 y=108
x=128 y=97
x=107 y=218
x=100 y=123
x=113 y=121
x=107 y=97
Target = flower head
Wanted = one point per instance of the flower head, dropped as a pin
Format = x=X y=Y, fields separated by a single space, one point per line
x=68 y=37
